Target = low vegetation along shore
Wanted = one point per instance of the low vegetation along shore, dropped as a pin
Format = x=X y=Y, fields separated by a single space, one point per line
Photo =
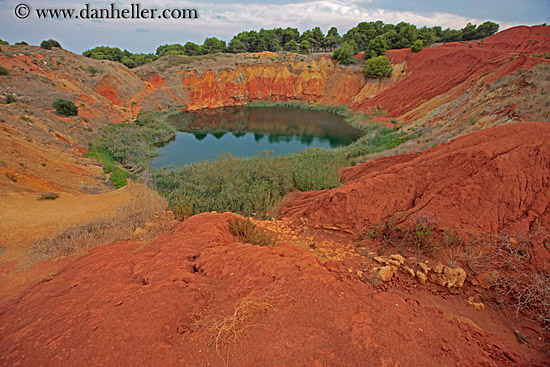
x=248 y=186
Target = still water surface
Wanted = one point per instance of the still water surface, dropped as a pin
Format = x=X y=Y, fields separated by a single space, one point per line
x=246 y=131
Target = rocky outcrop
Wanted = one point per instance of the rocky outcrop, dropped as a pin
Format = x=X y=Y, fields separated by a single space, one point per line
x=446 y=276
x=386 y=266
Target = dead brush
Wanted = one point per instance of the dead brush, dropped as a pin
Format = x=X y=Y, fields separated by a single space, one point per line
x=476 y=252
x=80 y=238
x=521 y=285
x=224 y=331
x=530 y=294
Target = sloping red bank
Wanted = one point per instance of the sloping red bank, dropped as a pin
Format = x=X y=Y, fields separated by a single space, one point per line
x=435 y=71
x=494 y=180
x=127 y=304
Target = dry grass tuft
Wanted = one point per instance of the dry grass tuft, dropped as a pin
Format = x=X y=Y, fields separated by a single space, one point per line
x=244 y=230
x=81 y=238
x=224 y=331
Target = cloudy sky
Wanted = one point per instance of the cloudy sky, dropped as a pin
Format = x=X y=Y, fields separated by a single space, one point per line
x=225 y=18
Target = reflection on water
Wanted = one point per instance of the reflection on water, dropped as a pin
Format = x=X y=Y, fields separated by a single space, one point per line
x=245 y=131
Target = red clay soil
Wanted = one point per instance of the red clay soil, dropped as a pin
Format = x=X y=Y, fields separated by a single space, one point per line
x=129 y=304
x=495 y=180
x=107 y=87
x=277 y=81
x=435 y=71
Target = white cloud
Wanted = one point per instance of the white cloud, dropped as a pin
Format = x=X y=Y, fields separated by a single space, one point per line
x=227 y=21
x=222 y=20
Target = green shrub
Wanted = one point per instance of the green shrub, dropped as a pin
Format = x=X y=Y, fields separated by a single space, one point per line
x=248 y=186
x=48 y=196
x=4 y=71
x=181 y=209
x=305 y=46
x=2 y=42
x=377 y=47
x=377 y=138
x=291 y=46
x=343 y=54
x=102 y=156
x=93 y=70
x=417 y=46
x=10 y=98
x=119 y=177
x=12 y=176
x=398 y=232
x=65 y=107
x=389 y=231
x=451 y=238
x=133 y=144
x=128 y=62
x=378 y=67
x=422 y=236
x=21 y=43
x=244 y=230
x=49 y=44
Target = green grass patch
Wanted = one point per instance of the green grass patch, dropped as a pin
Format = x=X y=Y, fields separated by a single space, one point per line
x=314 y=168
x=133 y=144
x=377 y=138
x=119 y=177
x=103 y=156
x=130 y=145
x=248 y=186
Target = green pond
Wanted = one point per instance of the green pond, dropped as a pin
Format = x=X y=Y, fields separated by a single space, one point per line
x=246 y=131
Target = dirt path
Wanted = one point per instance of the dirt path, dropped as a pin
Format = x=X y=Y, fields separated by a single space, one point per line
x=24 y=219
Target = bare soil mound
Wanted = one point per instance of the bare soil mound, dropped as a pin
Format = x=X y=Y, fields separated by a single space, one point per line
x=197 y=298
x=496 y=180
